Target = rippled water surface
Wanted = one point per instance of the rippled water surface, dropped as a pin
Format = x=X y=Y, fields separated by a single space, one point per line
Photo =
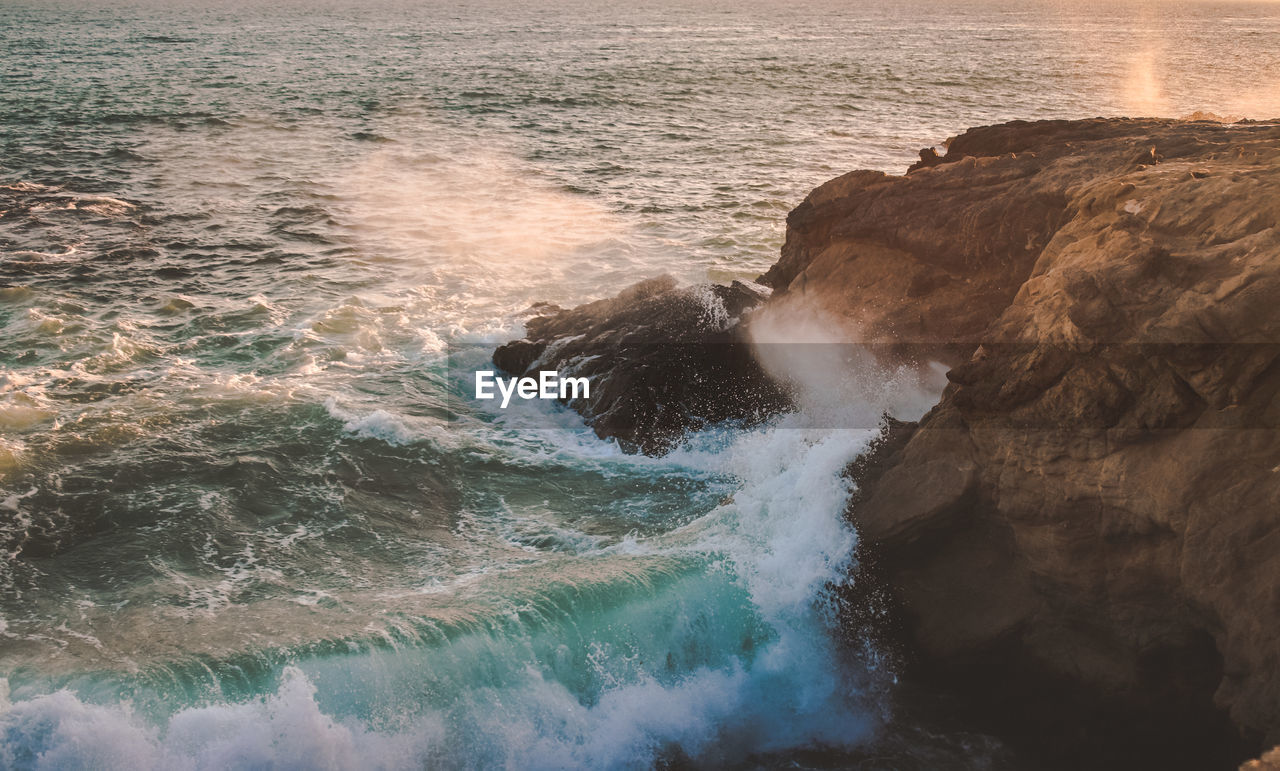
x=244 y=522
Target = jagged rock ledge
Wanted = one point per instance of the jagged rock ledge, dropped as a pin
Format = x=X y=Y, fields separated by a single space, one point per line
x=1083 y=536
x=663 y=360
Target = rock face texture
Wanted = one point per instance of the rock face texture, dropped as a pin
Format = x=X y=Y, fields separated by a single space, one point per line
x=1268 y=762
x=1088 y=523
x=663 y=360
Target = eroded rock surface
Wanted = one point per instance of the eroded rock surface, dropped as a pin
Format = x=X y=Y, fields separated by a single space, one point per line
x=1089 y=521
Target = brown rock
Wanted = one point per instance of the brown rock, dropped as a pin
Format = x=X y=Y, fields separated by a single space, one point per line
x=1092 y=512
x=1268 y=762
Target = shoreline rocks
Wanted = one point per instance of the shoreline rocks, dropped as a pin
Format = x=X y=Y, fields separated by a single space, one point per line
x=1089 y=513
x=1082 y=538
x=663 y=360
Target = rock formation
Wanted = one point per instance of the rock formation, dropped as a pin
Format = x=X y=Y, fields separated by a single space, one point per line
x=1083 y=536
x=663 y=360
x=1088 y=523
x=1268 y=762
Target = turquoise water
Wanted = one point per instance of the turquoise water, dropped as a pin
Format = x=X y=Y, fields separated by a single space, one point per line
x=245 y=523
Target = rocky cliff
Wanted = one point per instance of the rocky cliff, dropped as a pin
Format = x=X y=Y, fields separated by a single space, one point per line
x=1087 y=526
x=1083 y=536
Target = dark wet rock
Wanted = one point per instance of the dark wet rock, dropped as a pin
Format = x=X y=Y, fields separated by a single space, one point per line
x=663 y=360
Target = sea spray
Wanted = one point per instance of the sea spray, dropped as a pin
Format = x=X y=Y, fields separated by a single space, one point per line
x=838 y=376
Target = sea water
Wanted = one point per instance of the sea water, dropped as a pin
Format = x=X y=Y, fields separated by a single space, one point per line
x=249 y=517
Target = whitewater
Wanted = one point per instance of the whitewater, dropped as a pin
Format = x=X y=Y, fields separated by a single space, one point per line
x=251 y=517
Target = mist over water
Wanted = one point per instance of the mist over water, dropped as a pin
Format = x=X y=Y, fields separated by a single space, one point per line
x=243 y=521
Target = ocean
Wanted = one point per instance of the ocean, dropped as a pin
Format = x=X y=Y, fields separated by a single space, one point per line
x=249 y=518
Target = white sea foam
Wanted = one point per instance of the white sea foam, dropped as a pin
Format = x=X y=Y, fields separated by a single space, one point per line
x=781 y=539
x=285 y=730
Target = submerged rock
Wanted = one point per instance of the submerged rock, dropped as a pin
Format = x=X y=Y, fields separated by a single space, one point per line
x=663 y=360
